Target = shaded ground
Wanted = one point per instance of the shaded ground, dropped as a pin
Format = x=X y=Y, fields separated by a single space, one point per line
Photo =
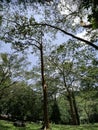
x=4 y=125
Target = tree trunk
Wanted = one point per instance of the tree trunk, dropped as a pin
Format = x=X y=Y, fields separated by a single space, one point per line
x=87 y=113
x=70 y=100
x=73 y=108
x=69 y=97
x=76 y=109
x=44 y=87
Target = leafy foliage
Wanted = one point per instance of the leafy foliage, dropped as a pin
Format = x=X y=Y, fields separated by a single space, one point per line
x=17 y=102
x=55 y=115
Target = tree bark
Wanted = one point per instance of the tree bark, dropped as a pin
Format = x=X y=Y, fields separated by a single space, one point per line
x=44 y=87
x=73 y=108
x=76 y=109
x=69 y=97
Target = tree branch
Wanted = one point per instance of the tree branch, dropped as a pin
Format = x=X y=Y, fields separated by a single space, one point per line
x=67 y=33
x=32 y=44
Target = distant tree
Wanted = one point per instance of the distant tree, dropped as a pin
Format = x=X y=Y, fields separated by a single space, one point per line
x=17 y=102
x=11 y=69
x=90 y=79
x=67 y=61
x=88 y=82
x=55 y=115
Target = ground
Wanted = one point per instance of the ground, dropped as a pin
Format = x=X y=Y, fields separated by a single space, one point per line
x=4 y=125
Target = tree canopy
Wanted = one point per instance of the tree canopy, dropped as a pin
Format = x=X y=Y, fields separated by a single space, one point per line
x=64 y=70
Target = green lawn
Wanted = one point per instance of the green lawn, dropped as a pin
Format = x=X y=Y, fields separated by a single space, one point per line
x=4 y=125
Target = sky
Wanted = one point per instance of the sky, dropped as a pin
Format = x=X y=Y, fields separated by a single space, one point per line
x=59 y=38
x=5 y=47
x=31 y=57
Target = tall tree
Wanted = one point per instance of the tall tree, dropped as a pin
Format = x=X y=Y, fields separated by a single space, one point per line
x=55 y=115
x=11 y=69
x=24 y=35
x=66 y=61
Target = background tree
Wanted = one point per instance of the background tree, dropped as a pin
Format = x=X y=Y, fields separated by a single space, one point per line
x=12 y=68
x=55 y=115
x=17 y=102
x=24 y=36
x=66 y=61
x=89 y=84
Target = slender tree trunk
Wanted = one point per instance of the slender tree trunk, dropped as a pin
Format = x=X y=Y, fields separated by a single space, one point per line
x=76 y=109
x=70 y=100
x=44 y=87
x=72 y=103
x=69 y=97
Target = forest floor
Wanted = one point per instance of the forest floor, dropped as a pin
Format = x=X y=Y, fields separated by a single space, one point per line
x=5 y=125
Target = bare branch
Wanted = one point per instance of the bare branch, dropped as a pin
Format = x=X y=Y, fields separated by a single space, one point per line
x=32 y=44
x=67 y=33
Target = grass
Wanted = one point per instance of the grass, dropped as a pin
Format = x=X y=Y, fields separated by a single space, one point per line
x=81 y=127
x=5 y=125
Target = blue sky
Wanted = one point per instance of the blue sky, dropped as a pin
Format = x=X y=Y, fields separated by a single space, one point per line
x=6 y=48
x=32 y=58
